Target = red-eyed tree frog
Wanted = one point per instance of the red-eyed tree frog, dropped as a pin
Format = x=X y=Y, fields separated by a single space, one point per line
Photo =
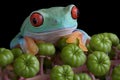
x=47 y=25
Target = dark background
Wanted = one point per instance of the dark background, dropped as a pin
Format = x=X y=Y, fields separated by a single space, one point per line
x=95 y=16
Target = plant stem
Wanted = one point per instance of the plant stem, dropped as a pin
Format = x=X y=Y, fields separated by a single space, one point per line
x=41 y=65
x=40 y=77
x=92 y=76
x=5 y=74
x=0 y=73
x=22 y=78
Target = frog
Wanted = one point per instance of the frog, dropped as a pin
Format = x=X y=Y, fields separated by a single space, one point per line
x=48 y=25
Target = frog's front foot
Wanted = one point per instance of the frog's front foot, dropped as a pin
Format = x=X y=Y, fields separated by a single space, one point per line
x=28 y=45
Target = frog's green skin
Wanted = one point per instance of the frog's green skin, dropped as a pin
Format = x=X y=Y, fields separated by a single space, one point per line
x=57 y=22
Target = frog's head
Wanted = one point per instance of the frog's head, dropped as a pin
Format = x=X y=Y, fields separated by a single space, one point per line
x=51 y=19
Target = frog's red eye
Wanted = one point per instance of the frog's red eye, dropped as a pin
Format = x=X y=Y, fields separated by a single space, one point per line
x=75 y=12
x=36 y=19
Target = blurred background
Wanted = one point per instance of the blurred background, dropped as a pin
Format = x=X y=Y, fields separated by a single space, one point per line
x=95 y=17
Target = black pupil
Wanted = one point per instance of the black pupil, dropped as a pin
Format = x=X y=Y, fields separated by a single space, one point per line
x=34 y=20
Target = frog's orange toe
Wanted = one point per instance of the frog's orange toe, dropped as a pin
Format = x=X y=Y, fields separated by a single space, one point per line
x=83 y=47
x=72 y=37
x=77 y=35
x=31 y=46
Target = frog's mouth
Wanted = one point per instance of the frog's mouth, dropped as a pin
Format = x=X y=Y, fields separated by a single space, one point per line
x=51 y=36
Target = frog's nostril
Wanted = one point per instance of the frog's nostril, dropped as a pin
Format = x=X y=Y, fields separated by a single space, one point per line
x=55 y=22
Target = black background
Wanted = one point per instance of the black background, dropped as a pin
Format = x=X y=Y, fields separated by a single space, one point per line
x=95 y=16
